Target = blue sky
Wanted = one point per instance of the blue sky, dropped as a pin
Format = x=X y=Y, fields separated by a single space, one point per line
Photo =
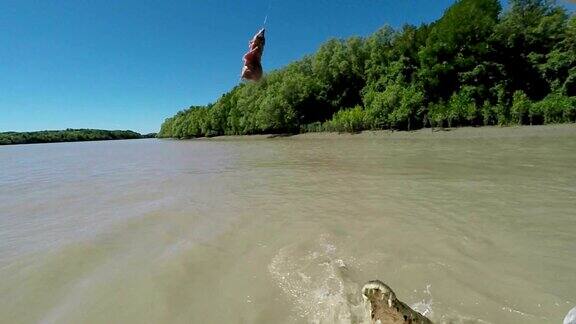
x=130 y=64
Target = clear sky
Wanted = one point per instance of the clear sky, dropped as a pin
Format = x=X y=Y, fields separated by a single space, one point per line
x=129 y=64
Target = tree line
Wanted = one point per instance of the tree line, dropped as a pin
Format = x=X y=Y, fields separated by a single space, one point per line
x=68 y=135
x=476 y=65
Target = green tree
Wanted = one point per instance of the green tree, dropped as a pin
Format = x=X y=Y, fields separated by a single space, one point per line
x=520 y=107
x=475 y=65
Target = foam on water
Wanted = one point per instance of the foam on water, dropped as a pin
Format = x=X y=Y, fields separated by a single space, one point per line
x=319 y=284
x=424 y=306
x=323 y=287
x=570 y=317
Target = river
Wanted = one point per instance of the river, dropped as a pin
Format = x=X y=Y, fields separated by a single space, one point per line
x=467 y=226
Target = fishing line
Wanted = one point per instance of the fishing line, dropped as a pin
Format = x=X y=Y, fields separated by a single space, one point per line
x=267 y=13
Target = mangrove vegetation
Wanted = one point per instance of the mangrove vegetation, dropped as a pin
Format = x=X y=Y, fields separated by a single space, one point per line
x=477 y=65
x=68 y=135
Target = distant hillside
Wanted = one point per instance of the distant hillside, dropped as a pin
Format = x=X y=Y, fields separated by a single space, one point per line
x=476 y=65
x=68 y=135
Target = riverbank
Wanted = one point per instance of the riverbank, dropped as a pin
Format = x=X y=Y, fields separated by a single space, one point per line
x=436 y=133
x=68 y=135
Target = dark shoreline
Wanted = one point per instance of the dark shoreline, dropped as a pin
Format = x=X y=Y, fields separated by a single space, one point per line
x=69 y=135
x=423 y=133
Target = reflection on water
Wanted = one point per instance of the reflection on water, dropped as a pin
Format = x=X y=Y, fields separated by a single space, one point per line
x=468 y=226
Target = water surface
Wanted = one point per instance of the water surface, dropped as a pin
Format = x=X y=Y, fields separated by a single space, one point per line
x=467 y=226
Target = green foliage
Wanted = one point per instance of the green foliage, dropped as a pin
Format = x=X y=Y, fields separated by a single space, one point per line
x=348 y=120
x=462 y=107
x=437 y=114
x=476 y=65
x=398 y=106
x=488 y=113
x=457 y=46
x=68 y=135
x=556 y=108
x=312 y=128
x=521 y=106
x=532 y=45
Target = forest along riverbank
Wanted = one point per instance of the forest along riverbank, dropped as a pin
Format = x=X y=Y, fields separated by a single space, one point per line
x=469 y=225
x=474 y=66
x=439 y=133
x=69 y=135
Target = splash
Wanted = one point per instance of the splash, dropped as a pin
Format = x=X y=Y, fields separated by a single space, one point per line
x=318 y=281
x=570 y=317
x=424 y=306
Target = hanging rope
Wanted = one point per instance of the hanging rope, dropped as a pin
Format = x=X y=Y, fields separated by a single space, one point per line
x=267 y=13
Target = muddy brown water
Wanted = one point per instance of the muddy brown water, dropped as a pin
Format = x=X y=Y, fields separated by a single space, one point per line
x=468 y=226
